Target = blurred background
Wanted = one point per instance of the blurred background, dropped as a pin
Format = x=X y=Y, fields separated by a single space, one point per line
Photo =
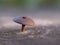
x=31 y=3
